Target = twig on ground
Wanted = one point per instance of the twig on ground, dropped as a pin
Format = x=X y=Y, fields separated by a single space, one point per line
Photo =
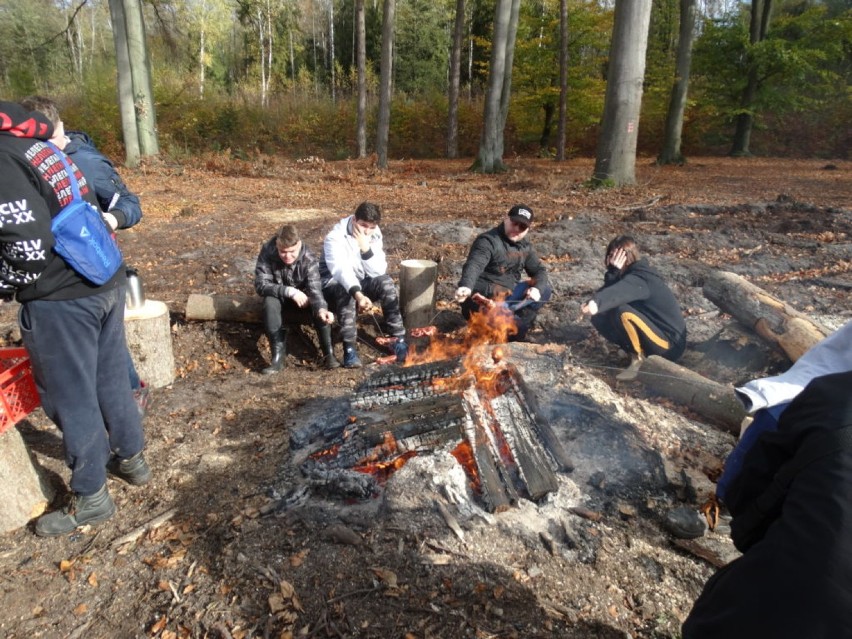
x=136 y=533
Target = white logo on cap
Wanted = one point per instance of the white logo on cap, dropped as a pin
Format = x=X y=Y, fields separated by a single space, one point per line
x=524 y=213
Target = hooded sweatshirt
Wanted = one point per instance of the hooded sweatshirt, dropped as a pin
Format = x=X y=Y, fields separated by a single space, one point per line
x=34 y=187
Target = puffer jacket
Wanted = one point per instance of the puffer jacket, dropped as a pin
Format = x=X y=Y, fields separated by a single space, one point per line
x=274 y=278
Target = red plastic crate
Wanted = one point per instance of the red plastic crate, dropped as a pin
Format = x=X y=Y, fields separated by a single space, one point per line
x=18 y=394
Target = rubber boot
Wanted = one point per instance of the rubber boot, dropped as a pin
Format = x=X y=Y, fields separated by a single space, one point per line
x=350 y=356
x=278 y=346
x=324 y=335
x=83 y=509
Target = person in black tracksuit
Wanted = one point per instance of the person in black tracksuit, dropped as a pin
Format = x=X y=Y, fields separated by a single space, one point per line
x=635 y=309
x=496 y=267
x=287 y=277
x=794 y=579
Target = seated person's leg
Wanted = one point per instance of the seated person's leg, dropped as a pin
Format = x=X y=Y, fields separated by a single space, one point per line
x=382 y=290
x=645 y=337
x=343 y=306
x=609 y=326
x=273 y=324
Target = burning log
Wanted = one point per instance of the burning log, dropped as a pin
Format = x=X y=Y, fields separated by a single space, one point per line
x=713 y=401
x=772 y=319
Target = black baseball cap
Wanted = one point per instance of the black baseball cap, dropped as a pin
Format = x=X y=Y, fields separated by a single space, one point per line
x=521 y=214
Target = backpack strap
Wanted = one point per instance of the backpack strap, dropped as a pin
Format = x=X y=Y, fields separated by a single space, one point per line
x=75 y=188
x=814 y=448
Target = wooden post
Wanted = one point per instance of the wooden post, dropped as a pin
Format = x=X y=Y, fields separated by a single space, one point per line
x=248 y=308
x=774 y=320
x=23 y=495
x=417 y=281
x=715 y=402
x=149 y=339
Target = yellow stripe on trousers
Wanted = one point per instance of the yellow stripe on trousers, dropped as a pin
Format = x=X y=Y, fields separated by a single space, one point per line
x=631 y=322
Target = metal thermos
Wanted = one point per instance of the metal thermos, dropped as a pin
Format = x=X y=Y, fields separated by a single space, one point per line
x=135 y=293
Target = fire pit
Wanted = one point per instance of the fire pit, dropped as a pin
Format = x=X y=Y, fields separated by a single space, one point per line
x=483 y=414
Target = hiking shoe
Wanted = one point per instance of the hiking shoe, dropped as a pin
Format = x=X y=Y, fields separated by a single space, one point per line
x=134 y=470
x=400 y=349
x=686 y=523
x=82 y=510
x=631 y=372
x=142 y=397
x=350 y=358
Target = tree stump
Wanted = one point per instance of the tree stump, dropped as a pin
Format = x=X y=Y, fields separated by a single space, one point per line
x=417 y=281
x=23 y=495
x=149 y=339
x=715 y=402
x=772 y=319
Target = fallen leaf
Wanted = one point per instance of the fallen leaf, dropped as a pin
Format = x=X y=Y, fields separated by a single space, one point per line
x=93 y=580
x=82 y=609
x=65 y=565
x=387 y=576
x=158 y=625
x=297 y=559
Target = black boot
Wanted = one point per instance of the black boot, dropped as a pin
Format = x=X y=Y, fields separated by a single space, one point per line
x=83 y=509
x=278 y=346
x=324 y=335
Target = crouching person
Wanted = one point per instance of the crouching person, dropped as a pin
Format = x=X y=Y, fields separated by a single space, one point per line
x=287 y=277
x=635 y=309
x=792 y=520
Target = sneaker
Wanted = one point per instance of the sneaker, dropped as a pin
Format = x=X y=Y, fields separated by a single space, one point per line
x=134 y=470
x=631 y=372
x=82 y=510
x=350 y=358
x=400 y=348
x=142 y=396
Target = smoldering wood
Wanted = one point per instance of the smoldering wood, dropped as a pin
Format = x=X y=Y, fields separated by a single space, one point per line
x=342 y=481
x=772 y=319
x=715 y=402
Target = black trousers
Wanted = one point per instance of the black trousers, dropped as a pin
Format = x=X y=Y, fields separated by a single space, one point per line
x=635 y=333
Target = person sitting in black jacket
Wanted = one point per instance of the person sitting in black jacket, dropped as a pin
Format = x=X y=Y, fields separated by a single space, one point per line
x=635 y=309
x=495 y=268
x=792 y=520
x=287 y=277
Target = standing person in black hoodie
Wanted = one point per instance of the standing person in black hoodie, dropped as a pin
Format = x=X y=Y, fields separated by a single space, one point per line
x=119 y=205
x=635 y=309
x=73 y=329
x=792 y=520
x=495 y=268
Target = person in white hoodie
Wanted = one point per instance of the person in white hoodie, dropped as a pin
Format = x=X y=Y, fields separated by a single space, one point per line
x=354 y=274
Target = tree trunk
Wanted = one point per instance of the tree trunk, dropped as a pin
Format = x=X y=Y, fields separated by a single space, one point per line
x=361 y=37
x=143 y=94
x=331 y=47
x=758 y=25
x=715 y=402
x=383 y=125
x=487 y=160
x=129 y=129
x=224 y=308
x=671 y=152
x=506 y=94
x=23 y=493
x=772 y=319
x=616 y=154
x=562 y=129
x=417 y=281
x=547 y=127
x=455 y=83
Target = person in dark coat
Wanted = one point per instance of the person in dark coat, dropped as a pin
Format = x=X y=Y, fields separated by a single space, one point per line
x=635 y=309
x=287 y=277
x=503 y=267
x=792 y=519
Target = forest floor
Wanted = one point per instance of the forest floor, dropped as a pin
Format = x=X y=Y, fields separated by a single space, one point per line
x=236 y=559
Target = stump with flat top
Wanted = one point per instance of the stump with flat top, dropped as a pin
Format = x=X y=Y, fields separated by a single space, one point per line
x=23 y=493
x=149 y=339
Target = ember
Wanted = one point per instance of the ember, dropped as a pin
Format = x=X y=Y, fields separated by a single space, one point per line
x=486 y=417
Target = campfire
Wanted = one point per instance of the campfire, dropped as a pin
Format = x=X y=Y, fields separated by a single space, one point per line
x=458 y=395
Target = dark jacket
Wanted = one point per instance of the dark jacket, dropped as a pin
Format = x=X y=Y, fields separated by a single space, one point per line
x=34 y=186
x=273 y=278
x=113 y=195
x=495 y=264
x=795 y=580
x=642 y=287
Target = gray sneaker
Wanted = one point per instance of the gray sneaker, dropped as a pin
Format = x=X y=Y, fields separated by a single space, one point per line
x=82 y=510
x=134 y=470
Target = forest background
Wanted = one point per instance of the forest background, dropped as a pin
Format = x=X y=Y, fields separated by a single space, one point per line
x=249 y=77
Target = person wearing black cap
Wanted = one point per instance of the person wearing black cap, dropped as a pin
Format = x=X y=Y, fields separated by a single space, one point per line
x=635 y=309
x=495 y=268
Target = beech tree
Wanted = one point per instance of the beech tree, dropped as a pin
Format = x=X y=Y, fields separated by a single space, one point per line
x=361 y=65
x=671 y=152
x=455 y=83
x=563 y=80
x=383 y=124
x=615 y=160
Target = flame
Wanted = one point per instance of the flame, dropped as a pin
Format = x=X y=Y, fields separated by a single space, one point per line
x=382 y=470
x=327 y=452
x=464 y=455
